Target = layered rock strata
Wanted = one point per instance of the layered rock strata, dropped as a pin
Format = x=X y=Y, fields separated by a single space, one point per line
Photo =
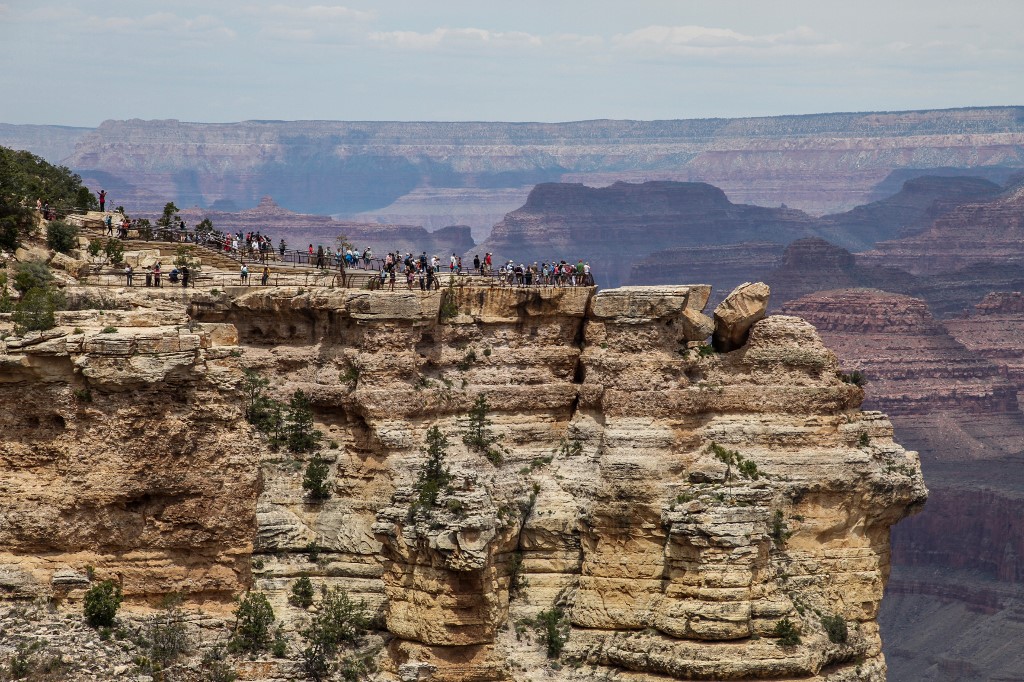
x=124 y=456
x=821 y=163
x=605 y=501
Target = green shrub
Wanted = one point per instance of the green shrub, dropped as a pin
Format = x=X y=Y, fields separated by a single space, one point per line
x=108 y=330
x=312 y=551
x=36 y=310
x=167 y=634
x=114 y=250
x=315 y=481
x=215 y=667
x=101 y=604
x=145 y=229
x=516 y=580
x=61 y=236
x=553 y=629
x=25 y=177
x=779 y=532
x=449 y=305
x=746 y=468
x=261 y=411
x=705 y=350
x=467 y=361
x=279 y=649
x=302 y=592
x=477 y=433
x=787 y=633
x=864 y=439
x=835 y=628
x=20 y=664
x=568 y=447
x=32 y=275
x=95 y=246
x=253 y=618
x=856 y=377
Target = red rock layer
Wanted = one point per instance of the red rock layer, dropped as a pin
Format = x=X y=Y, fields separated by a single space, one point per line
x=946 y=400
x=996 y=332
x=991 y=232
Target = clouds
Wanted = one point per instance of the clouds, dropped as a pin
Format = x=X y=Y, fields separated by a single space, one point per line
x=200 y=27
x=705 y=40
x=529 y=60
x=469 y=38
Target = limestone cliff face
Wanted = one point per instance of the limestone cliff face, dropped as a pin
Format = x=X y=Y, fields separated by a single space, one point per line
x=122 y=447
x=608 y=502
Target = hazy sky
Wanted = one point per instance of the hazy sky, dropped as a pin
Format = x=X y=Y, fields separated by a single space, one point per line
x=79 y=63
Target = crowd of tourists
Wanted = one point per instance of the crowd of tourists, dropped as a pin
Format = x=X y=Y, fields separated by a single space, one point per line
x=422 y=271
x=426 y=271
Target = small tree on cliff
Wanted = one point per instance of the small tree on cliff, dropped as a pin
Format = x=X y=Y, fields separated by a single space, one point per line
x=101 y=603
x=434 y=476
x=253 y=618
x=478 y=434
x=299 y=433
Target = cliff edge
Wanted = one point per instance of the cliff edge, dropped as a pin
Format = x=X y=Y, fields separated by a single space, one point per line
x=618 y=497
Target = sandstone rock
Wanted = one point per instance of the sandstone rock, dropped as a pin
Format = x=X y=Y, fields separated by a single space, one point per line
x=604 y=500
x=68 y=577
x=73 y=267
x=734 y=316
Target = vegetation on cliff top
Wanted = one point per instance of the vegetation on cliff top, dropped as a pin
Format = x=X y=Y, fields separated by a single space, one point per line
x=24 y=178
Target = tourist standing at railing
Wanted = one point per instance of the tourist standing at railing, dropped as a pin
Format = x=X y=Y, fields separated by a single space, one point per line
x=266 y=276
x=281 y=248
x=244 y=274
x=127 y=275
x=103 y=199
x=156 y=274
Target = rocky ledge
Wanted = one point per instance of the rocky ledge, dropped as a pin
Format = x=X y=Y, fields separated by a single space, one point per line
x=637 y=500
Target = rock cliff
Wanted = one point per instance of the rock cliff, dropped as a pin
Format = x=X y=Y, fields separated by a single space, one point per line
x=953 y=391
x=667 y=509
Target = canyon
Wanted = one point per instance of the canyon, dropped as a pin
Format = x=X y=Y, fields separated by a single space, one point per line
x=820 y=163
x=610 y=503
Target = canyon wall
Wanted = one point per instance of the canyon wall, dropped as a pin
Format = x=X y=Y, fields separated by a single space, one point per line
x=821 y=163
x=605 y=498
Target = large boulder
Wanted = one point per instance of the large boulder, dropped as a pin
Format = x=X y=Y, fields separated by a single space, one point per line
x=734 y=316
x=72 y=266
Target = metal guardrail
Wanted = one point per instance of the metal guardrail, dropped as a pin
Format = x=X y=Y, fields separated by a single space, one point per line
x=316 y=272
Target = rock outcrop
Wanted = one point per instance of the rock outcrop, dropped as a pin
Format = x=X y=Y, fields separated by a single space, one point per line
x=953 y=393
x=672 y=513
x=996 y=332
x=734 y=316
x=974 y=236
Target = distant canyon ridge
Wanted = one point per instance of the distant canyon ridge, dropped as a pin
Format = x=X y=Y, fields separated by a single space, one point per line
x=436 y=174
